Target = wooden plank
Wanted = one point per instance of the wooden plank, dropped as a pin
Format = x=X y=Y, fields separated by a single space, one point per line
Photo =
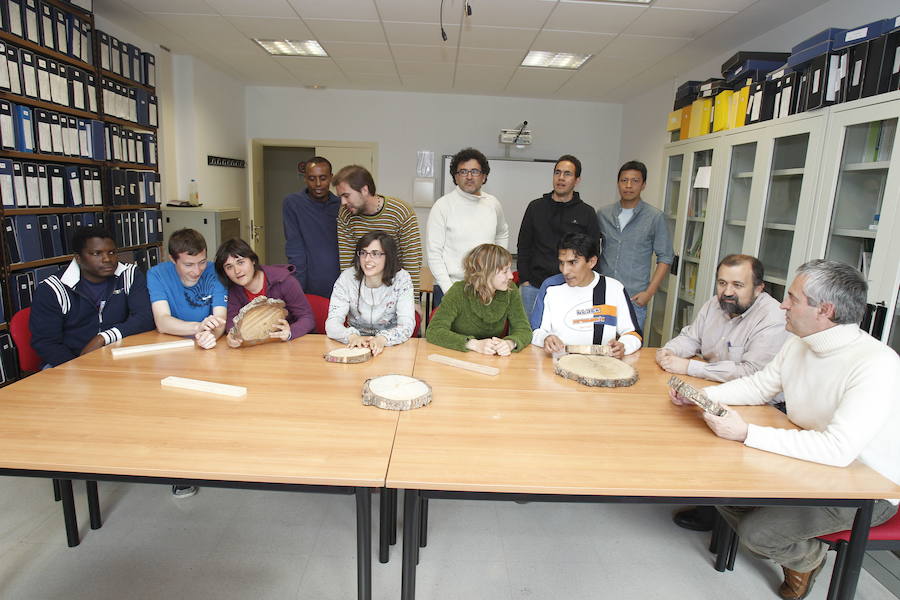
x=209 y=387
x=463 y=364
x=145 y=348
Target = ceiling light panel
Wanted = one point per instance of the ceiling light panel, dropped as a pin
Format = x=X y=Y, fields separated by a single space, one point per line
x=554 y=60
x=292 y=47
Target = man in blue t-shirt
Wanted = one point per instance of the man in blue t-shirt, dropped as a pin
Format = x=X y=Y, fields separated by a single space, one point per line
x=185 y=295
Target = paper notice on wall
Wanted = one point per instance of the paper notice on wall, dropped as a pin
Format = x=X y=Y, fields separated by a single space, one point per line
x=701 y=180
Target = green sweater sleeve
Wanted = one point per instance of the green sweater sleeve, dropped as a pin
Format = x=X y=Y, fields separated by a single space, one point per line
x=519 y=326
x=439 y=330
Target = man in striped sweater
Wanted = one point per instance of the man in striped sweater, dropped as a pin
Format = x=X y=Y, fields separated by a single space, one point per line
x=362 y=211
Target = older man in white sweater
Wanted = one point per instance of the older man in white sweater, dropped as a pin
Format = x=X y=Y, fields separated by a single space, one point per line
x=463 y=219
x=842 y=388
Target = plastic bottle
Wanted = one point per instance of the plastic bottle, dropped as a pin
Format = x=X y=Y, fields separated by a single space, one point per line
x=193 y=193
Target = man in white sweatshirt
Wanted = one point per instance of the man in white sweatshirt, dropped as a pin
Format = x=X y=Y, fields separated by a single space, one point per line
x=588 y=308
x=462 y=219
x=841 y=388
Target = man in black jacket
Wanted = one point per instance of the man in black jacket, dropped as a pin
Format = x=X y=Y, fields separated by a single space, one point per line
x=546 y=220
x=96 y=301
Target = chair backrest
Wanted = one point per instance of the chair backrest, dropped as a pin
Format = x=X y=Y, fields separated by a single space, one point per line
x=319 y=307
x=29 y=361
x=516 y=277
x=887 y=531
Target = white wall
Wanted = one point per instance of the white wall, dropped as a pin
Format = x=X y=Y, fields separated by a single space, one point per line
x=644 y=117
x=402 y=123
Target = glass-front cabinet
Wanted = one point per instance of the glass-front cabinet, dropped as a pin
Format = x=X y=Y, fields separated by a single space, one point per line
x=858 y=216
x=671 y=195
x=737 y=199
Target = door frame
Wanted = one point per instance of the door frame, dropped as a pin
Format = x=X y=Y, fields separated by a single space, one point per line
x=255 y=206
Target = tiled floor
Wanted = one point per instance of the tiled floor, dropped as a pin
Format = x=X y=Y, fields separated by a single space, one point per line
x=236 y=544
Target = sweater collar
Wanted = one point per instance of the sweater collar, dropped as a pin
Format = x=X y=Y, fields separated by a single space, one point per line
x=468 y=196
x=833 y=338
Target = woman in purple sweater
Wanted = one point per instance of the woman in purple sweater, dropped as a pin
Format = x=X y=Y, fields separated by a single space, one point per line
x=238 y=267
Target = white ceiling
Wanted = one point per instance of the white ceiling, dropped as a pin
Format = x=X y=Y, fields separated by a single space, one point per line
x=396 y=44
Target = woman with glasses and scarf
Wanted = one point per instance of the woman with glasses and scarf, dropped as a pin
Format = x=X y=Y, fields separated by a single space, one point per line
x=374 y=297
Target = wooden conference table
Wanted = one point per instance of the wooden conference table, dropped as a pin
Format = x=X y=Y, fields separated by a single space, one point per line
x=529 y=434
x=301 y=426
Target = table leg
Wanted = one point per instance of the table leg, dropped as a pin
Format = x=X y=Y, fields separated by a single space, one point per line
x=56 y=496
x=393 y=496
x=859 y=535
x=423 y=524
x=384 y=524
x=364 y=543
x=410 y=544
x=93 y=499
x=68 y=502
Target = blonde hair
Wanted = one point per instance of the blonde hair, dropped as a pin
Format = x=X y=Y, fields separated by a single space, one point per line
x=480 y=265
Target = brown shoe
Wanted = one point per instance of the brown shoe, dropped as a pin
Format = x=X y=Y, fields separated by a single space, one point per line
x=798 y=585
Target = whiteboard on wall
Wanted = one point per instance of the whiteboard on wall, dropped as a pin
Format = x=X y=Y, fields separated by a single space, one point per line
x=515 y=183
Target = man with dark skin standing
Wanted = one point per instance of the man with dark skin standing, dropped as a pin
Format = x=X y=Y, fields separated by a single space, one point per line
x=310 y=230
x=96 y=301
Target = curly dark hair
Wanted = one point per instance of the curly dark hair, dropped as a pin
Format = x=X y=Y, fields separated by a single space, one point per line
x=467 y=154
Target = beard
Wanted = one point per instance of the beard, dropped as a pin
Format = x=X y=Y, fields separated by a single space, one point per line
x=732 y=306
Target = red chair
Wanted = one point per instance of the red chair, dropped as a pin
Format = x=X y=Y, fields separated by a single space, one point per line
x=416 y=331
x=320 y=311
x=29 y=361
x=881 y=537
x=516 y=277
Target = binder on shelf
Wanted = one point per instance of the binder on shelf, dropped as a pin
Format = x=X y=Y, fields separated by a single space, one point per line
x=141 y=227
x=151 y=226
x=131 y=103
x=43 y=185
x=118 y=230
x=15 y=17
x=10 y=240
x=70 y=136
x=721 y=103
x=97 y=139
x=90 y=90
x=115 y=56
x=59 y=85
x=9 y=359
x=136 y=69
x=150 y=148
x=42 y=273
x=761 y=102
x=31 y=20
x=95 y=184
x=32 y=189
x=57 y=176
x=153 y=253
x=86 y=42
x=7 y=126
x=87 y=186
x=139 y=142
x=135 y=233
x=84 y=144
x=29 y=74
x=76 y=88
x=43 y=79
x=43 y=133
x=783 y=103
x=77 y=221
x=99 y=219
x=149 y=65
x=19 y=185
x=131 y=153
x=118 y=182
x=142 y=98
x=142 y=260
x=73 y=187
x=24 y=129
x=62 y=32
x=56 y=132
x=132 y=180
x=7 y=194
x=67 y=228
x=24 y=287
x=4 y=67
x=46 y=238
x=104 y=42
x=73 y=35
x=29 y=237
x=13 y=68
x=47 y=21
x=56 y=235
x=87 y=219
x=153 y=110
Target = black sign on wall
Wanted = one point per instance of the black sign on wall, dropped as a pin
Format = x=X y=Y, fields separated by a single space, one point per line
x=220 y=161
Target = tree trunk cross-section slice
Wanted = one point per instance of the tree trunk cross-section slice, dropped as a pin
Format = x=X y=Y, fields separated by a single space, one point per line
x=592 y=349
x=348 y=355
x=595 y=371
x=254 y=322
x=396 y=392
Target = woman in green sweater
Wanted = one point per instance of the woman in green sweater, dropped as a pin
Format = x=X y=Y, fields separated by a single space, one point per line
x=474 y=311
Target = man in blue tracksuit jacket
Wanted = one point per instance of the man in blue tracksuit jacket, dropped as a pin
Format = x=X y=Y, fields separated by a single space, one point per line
x=96 y=301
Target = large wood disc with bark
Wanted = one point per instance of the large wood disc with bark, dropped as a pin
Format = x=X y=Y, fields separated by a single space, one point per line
x=396 y=392
x=348 y=355
x=595 y=371
x=254 y=322
x=592 y=349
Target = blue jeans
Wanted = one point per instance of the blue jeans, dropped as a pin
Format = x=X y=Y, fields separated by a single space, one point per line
x=529 y=295
x=438 y=295
x=641 y=313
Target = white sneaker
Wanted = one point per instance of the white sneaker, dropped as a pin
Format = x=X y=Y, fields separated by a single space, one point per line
x=184 y=491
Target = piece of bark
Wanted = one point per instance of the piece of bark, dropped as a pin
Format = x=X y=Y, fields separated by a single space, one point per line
x=595 y=371
x=396 y=392
x=348 y=355
x=590 y=349
x=698 y=397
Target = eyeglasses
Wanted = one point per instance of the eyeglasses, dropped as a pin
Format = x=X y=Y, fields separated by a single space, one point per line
x=472 y=172
x=557 y=173
x=373 y=253
x=633 y=180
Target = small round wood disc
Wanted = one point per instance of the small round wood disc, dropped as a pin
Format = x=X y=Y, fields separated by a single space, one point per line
x=396 y=392
x=595 y=371
x=254 y=322
x=592 y=349
x=348 y=355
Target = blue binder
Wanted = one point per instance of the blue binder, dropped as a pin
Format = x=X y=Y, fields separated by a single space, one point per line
x=29 y=234
x=24 y=129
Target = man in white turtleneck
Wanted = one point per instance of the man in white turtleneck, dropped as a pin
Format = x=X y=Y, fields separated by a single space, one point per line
x=842 y=388
x=462 y=219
